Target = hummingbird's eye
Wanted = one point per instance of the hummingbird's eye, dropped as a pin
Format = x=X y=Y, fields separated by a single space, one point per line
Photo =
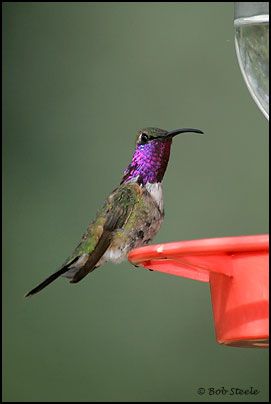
x=144 y=138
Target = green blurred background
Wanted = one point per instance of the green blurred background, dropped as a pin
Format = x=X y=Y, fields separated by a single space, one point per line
x=79 y=80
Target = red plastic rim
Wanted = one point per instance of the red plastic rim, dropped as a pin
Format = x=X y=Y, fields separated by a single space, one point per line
x=202 y=246
x=196 y=258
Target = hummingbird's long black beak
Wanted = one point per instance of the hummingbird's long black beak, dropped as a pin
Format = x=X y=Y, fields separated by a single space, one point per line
x=178 y=131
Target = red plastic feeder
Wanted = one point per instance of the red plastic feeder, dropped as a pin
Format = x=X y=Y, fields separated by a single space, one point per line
x=238 y=272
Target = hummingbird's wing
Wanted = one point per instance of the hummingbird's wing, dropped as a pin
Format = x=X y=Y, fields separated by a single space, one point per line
x=118 y=208
x=115 y=211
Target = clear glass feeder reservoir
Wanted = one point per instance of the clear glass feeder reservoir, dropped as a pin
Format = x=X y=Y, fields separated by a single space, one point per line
x=251 y=23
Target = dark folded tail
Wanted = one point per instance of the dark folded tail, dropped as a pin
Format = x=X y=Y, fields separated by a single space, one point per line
x=51 y=278
x=47 y=281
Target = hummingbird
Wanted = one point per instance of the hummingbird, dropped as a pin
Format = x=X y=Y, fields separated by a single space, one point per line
x=131 y=215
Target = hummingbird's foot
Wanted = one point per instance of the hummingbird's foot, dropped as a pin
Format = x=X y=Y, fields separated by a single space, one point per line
x=137 y=266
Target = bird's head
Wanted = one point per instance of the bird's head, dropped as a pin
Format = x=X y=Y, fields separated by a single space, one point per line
x=152 y=153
